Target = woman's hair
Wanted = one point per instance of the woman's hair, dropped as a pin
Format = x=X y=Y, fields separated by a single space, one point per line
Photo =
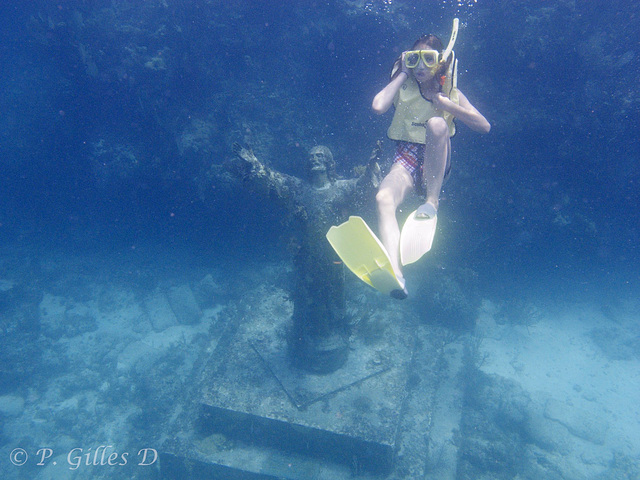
x=425 y=42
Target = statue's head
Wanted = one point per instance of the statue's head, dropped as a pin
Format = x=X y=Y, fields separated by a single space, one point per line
x=321 y=168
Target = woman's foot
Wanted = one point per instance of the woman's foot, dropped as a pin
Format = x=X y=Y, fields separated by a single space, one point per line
x=426 y=211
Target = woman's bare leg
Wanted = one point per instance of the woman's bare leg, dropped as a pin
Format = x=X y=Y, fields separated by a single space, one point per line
x=436 y=153
x=393 y=189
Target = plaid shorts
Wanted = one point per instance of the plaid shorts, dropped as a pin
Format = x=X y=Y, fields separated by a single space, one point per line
x=411 y=156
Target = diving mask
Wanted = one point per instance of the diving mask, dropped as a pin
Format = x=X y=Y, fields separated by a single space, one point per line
x=432 y=58
x=429 y=58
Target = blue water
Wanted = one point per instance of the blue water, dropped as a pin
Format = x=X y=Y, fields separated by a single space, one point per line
x=112 y=114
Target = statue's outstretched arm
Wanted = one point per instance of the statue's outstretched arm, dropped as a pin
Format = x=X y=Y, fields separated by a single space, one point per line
x=360 y=191
x=263 y=178
x=372 y=174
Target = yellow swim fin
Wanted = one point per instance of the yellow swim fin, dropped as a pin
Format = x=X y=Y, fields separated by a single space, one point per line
x=362 y=252
x=416 y=237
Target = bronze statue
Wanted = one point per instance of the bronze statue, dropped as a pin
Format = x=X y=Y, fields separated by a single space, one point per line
x=318 y=339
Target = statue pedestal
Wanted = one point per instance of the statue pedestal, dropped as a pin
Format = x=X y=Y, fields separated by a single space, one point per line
x=255 y=405
x=315 y=354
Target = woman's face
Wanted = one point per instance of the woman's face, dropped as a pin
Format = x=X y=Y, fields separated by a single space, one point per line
x=421 y=72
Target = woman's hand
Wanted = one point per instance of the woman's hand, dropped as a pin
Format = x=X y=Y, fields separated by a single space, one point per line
x=384 y=98
x=440 y=101
x=463 y=111
x=403 y=65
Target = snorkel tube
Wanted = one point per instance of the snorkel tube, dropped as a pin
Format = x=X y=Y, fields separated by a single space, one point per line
x=449 y=82
x=452 y=41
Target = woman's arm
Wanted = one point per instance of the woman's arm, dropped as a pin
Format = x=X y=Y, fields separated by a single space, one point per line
x=384 y=99
x=464 y=111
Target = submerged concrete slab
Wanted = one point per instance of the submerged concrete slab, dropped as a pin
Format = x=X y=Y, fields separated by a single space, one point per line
x=304 y=388
x=350 y=417
x=260 y=418
x=210 y=459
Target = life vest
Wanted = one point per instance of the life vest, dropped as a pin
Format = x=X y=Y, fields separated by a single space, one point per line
x=412 y=110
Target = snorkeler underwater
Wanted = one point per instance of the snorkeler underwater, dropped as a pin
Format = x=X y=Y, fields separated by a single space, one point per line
x=319 y=240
